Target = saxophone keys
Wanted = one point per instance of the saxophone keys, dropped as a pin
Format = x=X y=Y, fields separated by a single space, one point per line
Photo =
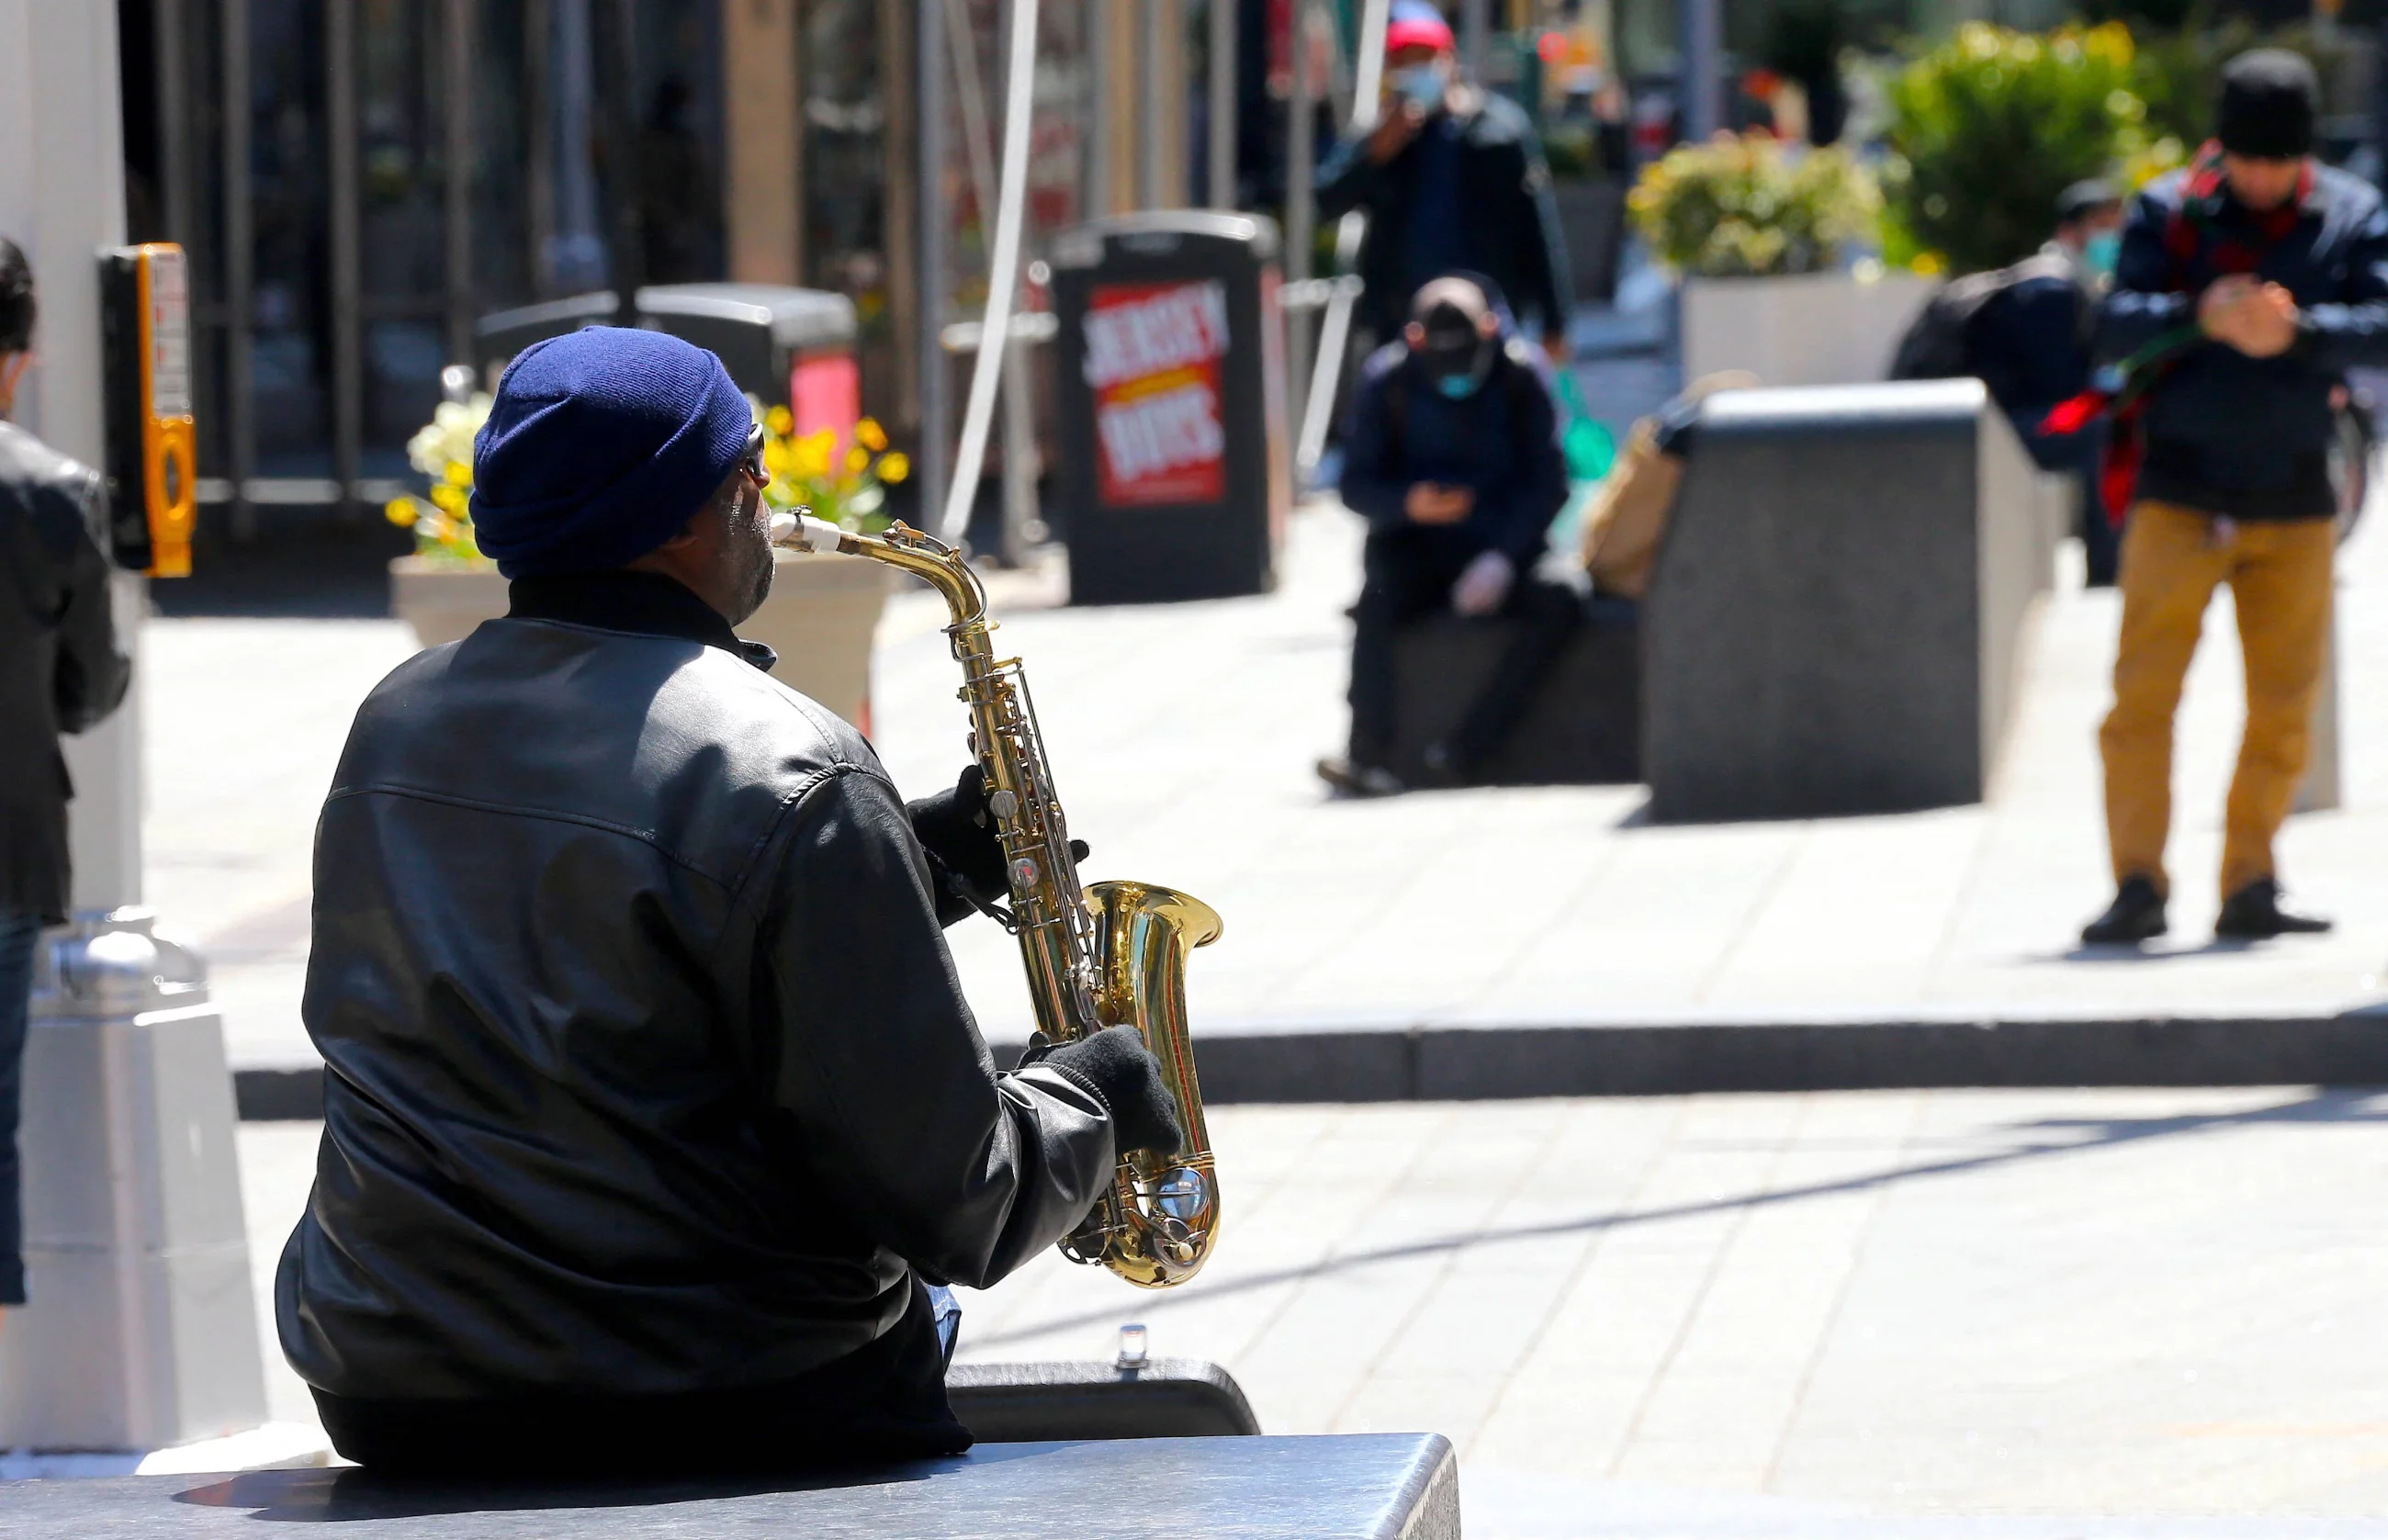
x=1004 y=805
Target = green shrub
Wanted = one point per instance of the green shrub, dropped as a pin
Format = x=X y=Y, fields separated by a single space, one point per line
x=1750 y=208
x=1990 y=127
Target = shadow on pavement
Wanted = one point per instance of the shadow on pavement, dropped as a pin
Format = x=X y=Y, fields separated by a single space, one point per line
x=2046 y=1136
x=306 y=563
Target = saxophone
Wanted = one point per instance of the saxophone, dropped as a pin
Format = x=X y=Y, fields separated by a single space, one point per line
x=1106 y=954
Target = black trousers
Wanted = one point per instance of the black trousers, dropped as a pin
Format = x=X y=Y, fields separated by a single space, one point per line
x=1407 y=581
x=883 y=1401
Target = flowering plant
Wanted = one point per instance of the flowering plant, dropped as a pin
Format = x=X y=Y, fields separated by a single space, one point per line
x=1990 y=127
x=442 y=519
x=1750 y=208
x=845 y=486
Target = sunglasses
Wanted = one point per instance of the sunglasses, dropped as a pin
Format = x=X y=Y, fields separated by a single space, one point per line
x=752 y=461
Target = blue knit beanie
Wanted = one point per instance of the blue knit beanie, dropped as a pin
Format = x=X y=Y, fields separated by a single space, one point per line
x=601 y=446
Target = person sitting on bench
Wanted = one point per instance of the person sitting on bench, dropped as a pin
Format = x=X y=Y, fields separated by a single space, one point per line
x=1452 y=457
x=652 y=1107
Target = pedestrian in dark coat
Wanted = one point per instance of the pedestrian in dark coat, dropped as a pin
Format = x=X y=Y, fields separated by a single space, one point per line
x=61 y=672
x=1452 y=179
x=2248 y=285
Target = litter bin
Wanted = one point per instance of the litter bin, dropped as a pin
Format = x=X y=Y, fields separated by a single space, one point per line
x=1176 y=476
x=790 y=347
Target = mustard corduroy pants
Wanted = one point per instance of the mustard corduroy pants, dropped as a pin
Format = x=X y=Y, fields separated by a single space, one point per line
x=2280 y=577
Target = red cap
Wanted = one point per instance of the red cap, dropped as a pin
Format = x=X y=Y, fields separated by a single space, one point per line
x=1417 y=26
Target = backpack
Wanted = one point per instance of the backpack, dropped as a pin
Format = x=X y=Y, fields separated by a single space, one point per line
x=1937 y=344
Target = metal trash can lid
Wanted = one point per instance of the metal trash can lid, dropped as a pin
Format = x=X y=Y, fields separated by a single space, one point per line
x=1161 y=230
x=548 y=317
x=796 y=317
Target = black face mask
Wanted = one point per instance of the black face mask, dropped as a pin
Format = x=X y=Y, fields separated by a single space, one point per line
x=1457 y=372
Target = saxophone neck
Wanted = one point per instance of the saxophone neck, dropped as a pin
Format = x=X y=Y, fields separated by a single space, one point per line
x=924 y=555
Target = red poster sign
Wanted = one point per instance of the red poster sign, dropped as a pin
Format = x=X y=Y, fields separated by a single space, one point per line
x=1154 y=357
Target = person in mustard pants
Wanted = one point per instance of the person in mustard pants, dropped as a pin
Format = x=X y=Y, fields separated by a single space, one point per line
x=2248 y=284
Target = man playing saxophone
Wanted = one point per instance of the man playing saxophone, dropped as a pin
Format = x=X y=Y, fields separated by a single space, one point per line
x=651 y=1104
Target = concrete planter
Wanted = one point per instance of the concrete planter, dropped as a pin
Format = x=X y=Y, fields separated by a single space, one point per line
x=1820 y=328
x=821 y=617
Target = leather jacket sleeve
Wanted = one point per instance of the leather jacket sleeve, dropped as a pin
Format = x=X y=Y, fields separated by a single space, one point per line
x=962 y=1172
x=91 y=674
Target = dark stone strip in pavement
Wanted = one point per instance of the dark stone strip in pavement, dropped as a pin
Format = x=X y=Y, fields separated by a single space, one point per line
x=1458 y=1064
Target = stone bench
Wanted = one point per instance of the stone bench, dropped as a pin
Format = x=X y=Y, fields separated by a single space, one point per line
x=1382 y=1486
x=1582 y=729
x=1834 y=620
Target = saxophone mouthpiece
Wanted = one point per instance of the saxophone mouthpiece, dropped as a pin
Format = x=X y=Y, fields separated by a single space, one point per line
x=800 y=531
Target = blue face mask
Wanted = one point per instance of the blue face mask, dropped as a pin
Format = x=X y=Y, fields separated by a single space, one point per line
x=1422 y=85
x=2100 y=253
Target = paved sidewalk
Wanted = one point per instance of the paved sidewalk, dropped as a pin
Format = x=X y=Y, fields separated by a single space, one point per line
x=1183 y=737
x=1754 y=1315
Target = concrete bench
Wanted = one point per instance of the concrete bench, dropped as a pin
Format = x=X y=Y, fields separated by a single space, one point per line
x=1583 y=729
x=1396 y=1486
x=1834 y=620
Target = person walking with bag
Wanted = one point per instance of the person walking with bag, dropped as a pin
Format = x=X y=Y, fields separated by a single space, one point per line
x=2248 y=284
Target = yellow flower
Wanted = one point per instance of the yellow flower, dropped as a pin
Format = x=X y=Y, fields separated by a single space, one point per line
x=813 y=452
x=893 y=467
x=450 y=500
x=779 y=421
x=460 y=472
x=399 y=511
x=869 y=435
x=1931 y=264
x=778 y=458
x=857 y=460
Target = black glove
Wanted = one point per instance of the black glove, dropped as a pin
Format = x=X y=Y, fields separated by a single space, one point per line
x=1125 y=1074
x=960 y=834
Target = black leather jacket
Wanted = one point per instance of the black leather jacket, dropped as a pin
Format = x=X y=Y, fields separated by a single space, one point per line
x=647 y=1071
x=60 y=667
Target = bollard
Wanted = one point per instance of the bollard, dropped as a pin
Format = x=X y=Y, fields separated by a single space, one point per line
x=142 y=1330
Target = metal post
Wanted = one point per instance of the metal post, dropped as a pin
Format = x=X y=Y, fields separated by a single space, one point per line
x=1300 y=197
x=1101 y=130
x=936 y=404
x=142 y=1331
x=1150 y=142
x=615 y=68
x=1703 y=45
x=539 y=114
x=170 y=37
x=239 y=267
x=348 y=344
x=1223 y=104
x=1475 y=37
x=1335 y=329
x=456 y=191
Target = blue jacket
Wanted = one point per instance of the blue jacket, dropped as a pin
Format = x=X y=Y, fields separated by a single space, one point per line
x=1501 y=442
x=2226 y=432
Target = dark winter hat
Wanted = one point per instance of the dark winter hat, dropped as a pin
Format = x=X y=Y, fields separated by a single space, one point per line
x=601 y=446
x=2270 y=96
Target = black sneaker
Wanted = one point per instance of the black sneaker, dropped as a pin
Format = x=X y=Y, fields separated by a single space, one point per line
x=1349 y=778
x=2254 y=914
x=2136 y=915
